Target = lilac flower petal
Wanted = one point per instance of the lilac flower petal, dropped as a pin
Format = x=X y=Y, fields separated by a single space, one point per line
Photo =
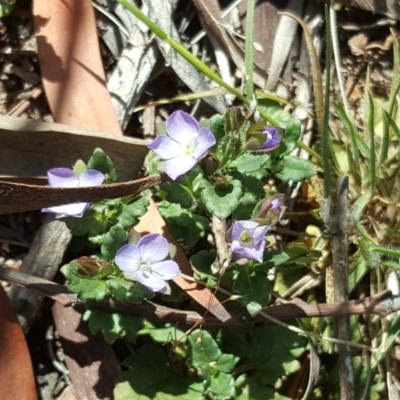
x=91 y=177
x=62 y=177
x=181 y=127
x=259 y=234
x=248 y=252
x=153 y=248
x=204 y=142
x=240 y=226
x=128 y=258
x=178 y=166
x=165 y=147
x=276 y=204
x=272 y=138
x=69 y=210
x=150 y=281
x=165 y=269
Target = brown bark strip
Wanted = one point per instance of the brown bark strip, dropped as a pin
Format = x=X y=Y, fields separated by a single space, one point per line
x=16 y=197
x=381 y=304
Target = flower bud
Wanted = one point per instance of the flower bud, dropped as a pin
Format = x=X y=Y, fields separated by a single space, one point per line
x=264 y=139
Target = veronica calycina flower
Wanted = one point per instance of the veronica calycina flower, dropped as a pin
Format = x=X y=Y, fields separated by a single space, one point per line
x=147 y=262
x=271 y=138
x=184 y=144
x=264 y=139
x=67 y=178
x=248 y=240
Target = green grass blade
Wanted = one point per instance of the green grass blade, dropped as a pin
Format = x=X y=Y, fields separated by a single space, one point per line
x=395 y=86
x=249 y=49
x=181 y=50
x=325 y=126
x=353 y=133
x=385 y=140
x=371 y=131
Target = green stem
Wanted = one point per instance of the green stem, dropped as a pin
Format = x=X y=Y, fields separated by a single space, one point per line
x=248 y=49
x=181 y=50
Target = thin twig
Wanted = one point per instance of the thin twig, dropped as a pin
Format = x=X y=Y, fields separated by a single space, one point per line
x=381 y=304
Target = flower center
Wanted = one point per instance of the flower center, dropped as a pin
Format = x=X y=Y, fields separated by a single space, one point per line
x=245 y=238
x=189 y=150
x=145 y=267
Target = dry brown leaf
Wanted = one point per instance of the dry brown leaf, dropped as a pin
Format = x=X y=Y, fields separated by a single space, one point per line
x=16 y=374
x=72 y=71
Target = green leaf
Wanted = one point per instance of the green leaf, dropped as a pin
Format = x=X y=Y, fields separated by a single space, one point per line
x=222 y=200
x=273 y=258
x=79 y=168
x=294 y=169
x=88 y=288
x=252 y=191
x=113 y=325
x=249 y=162
x=217 y=126
x=136 y=294
x=184 y=223
x=132 y=212
x=252 y=389
x=90 y=224
x=114 y=239
x=273 y=352
x=254 y=289
x=177 y=193
x=207 y=358
x=6 y=8
x=202 y=262
x=161 y=333
x=203 y=350
x=222 y=387
x=101 y=162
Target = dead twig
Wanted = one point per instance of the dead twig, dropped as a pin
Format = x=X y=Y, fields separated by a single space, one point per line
x=381 y=304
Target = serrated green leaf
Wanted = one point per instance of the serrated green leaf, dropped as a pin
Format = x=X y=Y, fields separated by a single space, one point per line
x=226 y=363
x=161 y=333
x=295 y=169
x=136 y=294
x=113 y=325
x=101 y=162
x=150 y=378
x=222 y=200
x=184 y=223
x=88 y=288
x=133 y=211
x=249 y=162
x=202 y=262
x=252 y=389
x=217 y=126
x=254 y=289
x=177 y=193
x=222 y=387
x=6 y=8
x=273 y=350
x=203 y=350
x=273 y=258
x=114 y=239
x=90 y=224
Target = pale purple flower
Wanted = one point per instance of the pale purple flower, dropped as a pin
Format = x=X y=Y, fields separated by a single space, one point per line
x=183 y=146
x=276 y=204
x=147 y=262
x=272 y=139
x=248 y=240
x=67 y=178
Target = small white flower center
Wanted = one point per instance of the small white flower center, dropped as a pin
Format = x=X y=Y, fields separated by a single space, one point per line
x=145 y=267
x=245 y=238
x=189 y=150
